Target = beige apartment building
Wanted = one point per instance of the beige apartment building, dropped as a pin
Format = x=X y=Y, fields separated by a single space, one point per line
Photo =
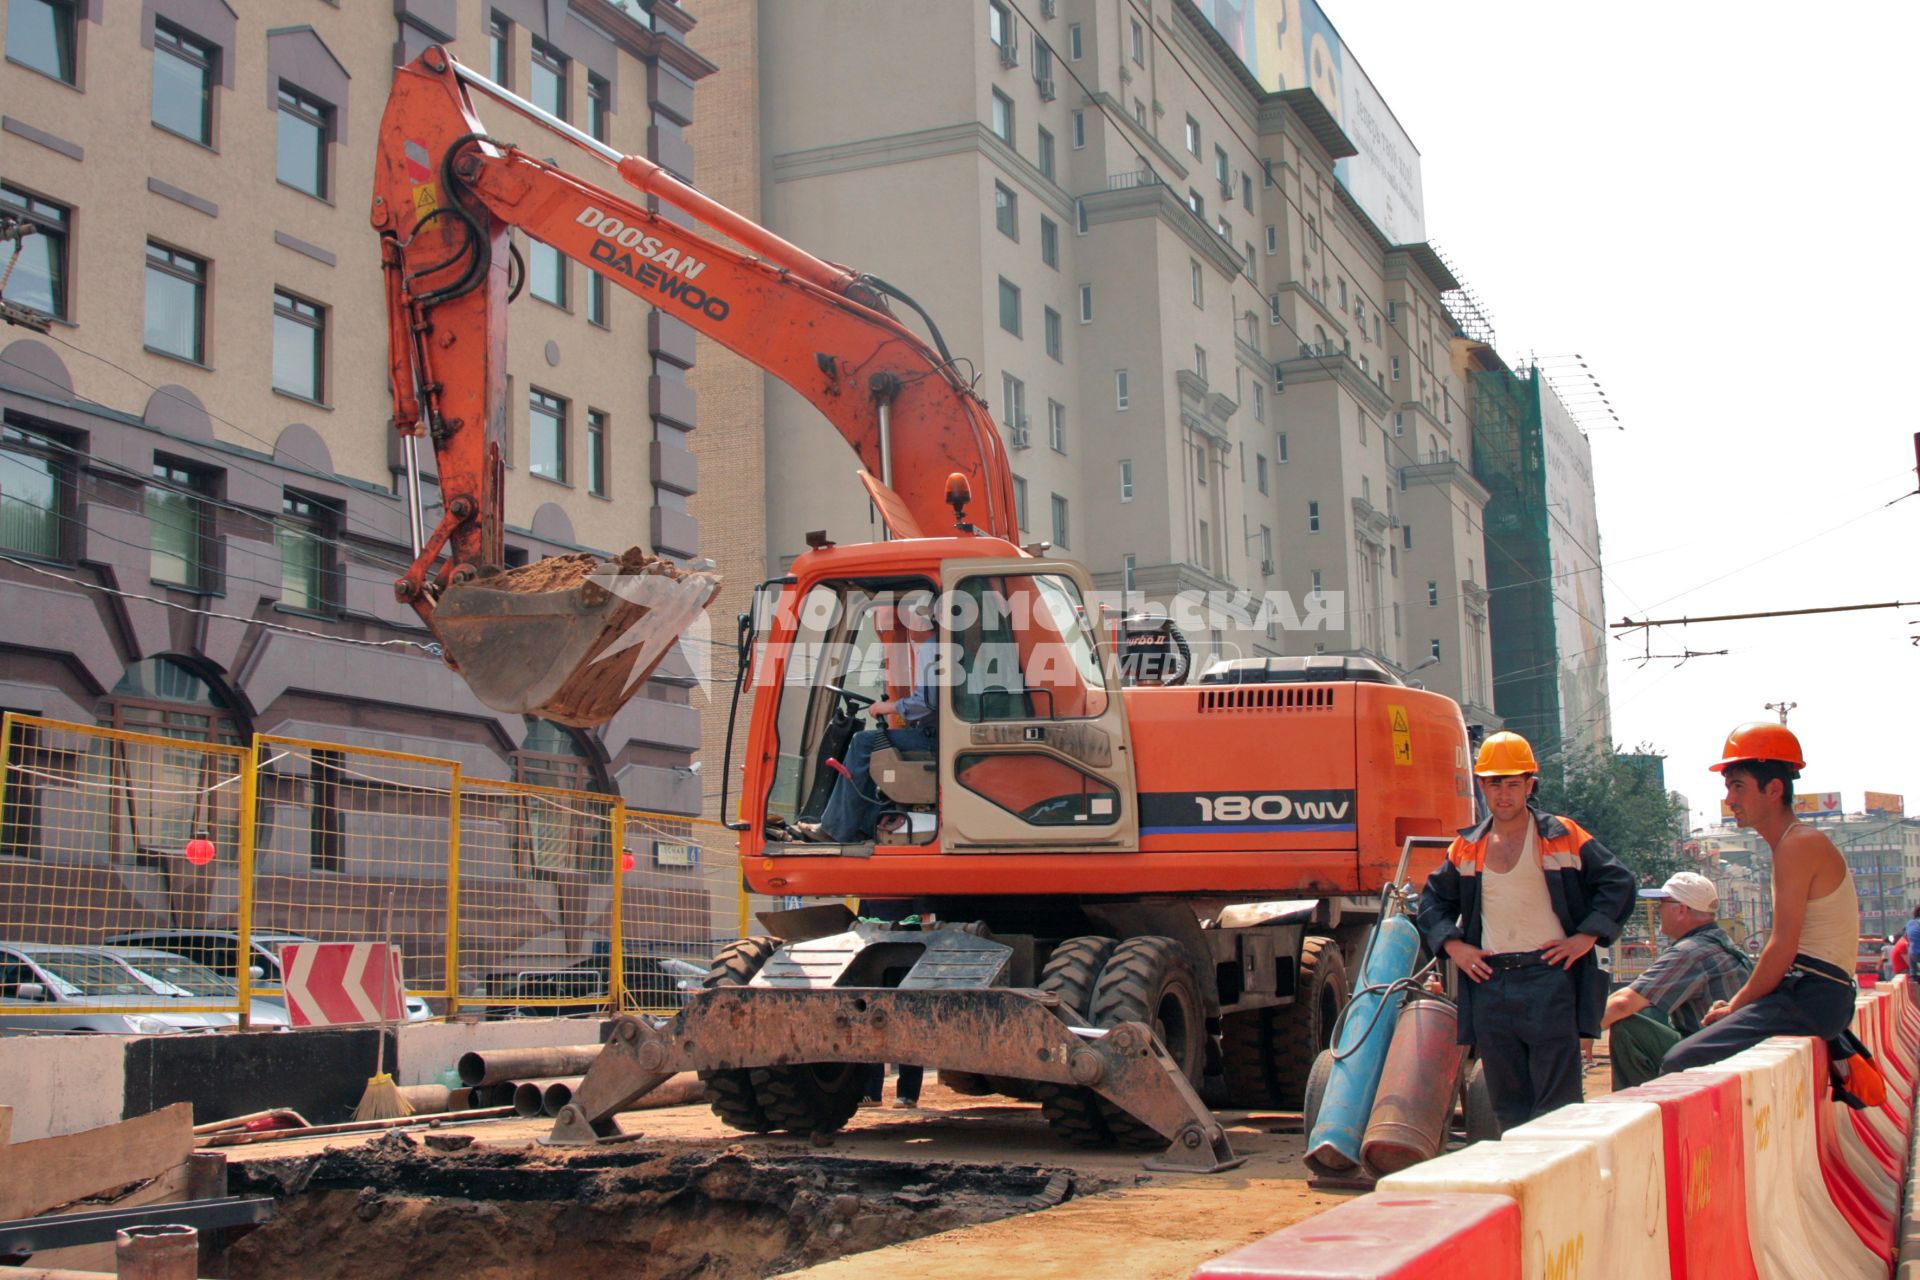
x=199 y=491
x=1216 y=375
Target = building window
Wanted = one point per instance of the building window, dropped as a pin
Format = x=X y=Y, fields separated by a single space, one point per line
x=1080 y=217
x=1126 y=479
x=1197 y=203
x=1006 y=211
x=1137 y=42
x=1013 y=403
x=1009 y=306
x=548 y=84
x=1246 y=192
x=176 y=303
x=36 y=493
x=597 y=452
x=1043 y=65
x=1433 y=649
x=1078 y=133
x=597 y=299
x=1002 y=117
x=546 y=273
x=1221 y=173
x=1343 y=293
x=1206 y=546
x=1059 y=521
x=1273 y=238
x=39 y=279
x=1049 y=242
x=1086 y=304
x=1266 y=548
x=1193 y=135
x=1393 y=312
x=1196 y=283
x=1313 y=517
x=1260 y=469
x=547 y=436
x=1433 y=594
x=599 y=106
x=1259 y=402
x=1020 y=502
x=1074 y=45
x=1056 y=343
x=299 y=347
x=1121 y=396
x=1200 y=362
x=180 y=522
x=1399 y=416
x=1056 y=426
x=500 y=50
x=1406 y=536
x=183 y=75
x=1128 y=564
x=1316 y=583
x=1280 y=447
x=41 y=35
x=1045 y=153
x=1394 y=362
x=1396 y=618
x=300 y=157
x=999 y=23
x=307 y=532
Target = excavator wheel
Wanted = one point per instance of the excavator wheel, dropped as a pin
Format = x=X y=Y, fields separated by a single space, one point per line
x=1071 y=973
x=732 y=1093
x=1246 y=1059
x=1305 y=1027
x=814 y=1097
x=1151 y=980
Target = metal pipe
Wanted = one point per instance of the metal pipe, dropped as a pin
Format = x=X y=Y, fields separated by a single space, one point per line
x=416 y=519
x=157 y=1253
x=427 y=1099
x=682 y=1090
x=501 y=1093
x=558 y=1094
x=491 y=1066
x=527 y=1098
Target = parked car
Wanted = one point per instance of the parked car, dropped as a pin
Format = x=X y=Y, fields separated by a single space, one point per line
x=192 y=981
x=217 y=949
x=47 y=987
x=655 y=982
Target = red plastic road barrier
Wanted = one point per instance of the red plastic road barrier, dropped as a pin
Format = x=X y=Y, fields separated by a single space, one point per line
x=1389 y=1236
x=1705 y=1156
x=1870 y=1220
x=330 y=983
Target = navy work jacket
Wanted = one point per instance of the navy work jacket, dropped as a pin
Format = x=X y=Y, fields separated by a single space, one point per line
x=1592 y=892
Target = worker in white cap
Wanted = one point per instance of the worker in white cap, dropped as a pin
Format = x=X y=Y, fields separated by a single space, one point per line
x=1666 y=1003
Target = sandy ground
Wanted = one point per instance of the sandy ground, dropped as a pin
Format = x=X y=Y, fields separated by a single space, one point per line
x=1149 y=1225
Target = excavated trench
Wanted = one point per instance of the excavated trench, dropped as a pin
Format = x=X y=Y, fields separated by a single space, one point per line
x=394 y=1210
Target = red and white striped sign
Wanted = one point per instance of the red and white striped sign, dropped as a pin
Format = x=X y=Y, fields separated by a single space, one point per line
x=331 y=983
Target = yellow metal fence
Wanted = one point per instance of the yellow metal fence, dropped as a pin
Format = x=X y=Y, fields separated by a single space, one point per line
x=504 y=898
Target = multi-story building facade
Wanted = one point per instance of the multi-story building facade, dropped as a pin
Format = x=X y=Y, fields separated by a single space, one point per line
x=1217 y=373
x=199 y=505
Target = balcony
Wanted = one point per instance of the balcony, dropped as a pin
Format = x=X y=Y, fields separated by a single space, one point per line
x=1129 y=181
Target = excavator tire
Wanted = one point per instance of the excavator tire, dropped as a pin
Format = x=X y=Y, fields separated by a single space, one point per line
x=1246 y=1059
x=1305 y=1027
x=1151 y=980
x=814 y=1097
x=1071 y=973
x=732 y=1094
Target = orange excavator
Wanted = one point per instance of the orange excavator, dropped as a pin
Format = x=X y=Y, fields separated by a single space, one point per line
x=1121 y=887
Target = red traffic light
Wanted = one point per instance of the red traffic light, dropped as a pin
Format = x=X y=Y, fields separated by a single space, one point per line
x=199 y=851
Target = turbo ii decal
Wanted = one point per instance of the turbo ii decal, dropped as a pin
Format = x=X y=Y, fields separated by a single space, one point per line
x=657 y=266
x=1197 y=812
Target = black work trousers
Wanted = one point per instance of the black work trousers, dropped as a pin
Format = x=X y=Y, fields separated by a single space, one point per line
x=1528 y=1041
x=1802 y=1005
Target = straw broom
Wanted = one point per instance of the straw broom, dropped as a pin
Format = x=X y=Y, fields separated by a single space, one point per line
x=382 y=1099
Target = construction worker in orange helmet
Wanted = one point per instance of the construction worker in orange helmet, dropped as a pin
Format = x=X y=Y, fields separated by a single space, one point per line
x=1518 y=906
x=1802 y=984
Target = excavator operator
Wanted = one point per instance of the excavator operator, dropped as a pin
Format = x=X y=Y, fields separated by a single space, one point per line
x=855 y=803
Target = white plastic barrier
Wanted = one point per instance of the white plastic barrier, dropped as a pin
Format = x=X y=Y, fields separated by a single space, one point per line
x=1795 y=1231
x=1563 y=1224
x=1626 y=1136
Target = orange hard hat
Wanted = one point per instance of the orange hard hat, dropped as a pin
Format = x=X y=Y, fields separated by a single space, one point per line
x=1505 y=754
x=1761 y=740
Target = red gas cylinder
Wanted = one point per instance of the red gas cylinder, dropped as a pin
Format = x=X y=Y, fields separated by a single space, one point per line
x=1417 y=1084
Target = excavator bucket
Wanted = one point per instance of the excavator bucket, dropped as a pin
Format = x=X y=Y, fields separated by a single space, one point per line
x=571 y=638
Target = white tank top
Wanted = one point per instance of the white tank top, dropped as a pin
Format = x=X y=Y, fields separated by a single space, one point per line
x=1516 y=912
x=1831 y=931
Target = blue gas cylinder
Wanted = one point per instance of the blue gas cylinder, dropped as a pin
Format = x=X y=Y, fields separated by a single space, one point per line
x=1360 y=1048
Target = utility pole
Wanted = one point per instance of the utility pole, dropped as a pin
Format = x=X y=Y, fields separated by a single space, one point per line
x=1782 y=708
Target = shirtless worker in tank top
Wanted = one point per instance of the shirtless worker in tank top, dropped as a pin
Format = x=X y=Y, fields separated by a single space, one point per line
x=1802 y=984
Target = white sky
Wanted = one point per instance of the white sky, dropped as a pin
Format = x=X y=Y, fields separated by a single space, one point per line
x=1709 y=202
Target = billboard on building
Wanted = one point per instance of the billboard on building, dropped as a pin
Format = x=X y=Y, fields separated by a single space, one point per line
x=1886 y=802
x=1806 y=804
x=1290 y=44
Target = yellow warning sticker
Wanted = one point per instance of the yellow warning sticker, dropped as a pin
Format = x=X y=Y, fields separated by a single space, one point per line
x=1402 y=734
x=426 y=198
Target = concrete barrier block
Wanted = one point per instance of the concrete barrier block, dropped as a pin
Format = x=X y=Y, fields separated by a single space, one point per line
x=62 y=1084
x=1562 y=1223
x=1633 y=1181
x=1387 y=1236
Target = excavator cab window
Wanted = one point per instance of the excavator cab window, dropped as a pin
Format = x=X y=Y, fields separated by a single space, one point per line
x=851 y=648
x=1022 y=650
